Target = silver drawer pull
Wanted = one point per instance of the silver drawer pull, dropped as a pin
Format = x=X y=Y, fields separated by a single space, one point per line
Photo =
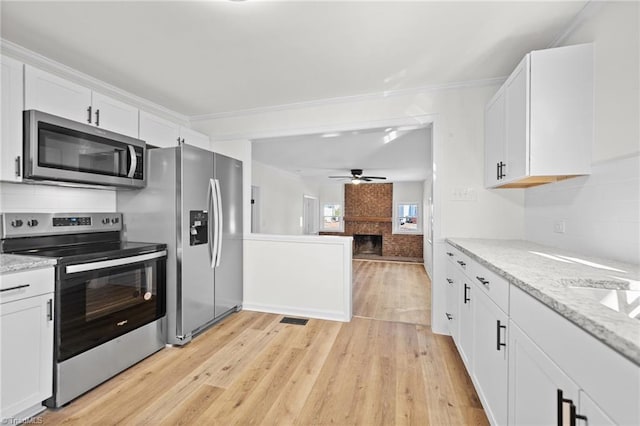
x=16 y=287
x=483 y=281
x=72 y=269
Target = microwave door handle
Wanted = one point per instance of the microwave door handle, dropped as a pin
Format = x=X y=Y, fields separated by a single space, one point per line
x=219 y=222
x=134 y=161
x=213 y=239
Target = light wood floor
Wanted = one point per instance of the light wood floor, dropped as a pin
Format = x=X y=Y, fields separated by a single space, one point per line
x=391 y=291
x=252 y=369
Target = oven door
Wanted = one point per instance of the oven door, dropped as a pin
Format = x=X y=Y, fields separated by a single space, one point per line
x=58 y=149
x=100 y=301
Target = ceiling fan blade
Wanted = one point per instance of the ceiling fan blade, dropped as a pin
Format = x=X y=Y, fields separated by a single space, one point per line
x=373 y=177
x=341 y=177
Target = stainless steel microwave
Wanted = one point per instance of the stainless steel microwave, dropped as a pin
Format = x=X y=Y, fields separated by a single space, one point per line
x=67 y=152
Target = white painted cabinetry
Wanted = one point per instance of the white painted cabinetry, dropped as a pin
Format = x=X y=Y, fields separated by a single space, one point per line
x=452 y=285
x=157 y=131
x=11 y=113
x=534 y=382
x=539 y=125
x=26 y=336
x=55 y=95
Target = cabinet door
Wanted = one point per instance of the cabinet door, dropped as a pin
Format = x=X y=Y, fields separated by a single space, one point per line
x=451 y=284
x=157 y=131
x=534 y=381
x=113 y=115
x=494 y=140
x=26 y=366
x=517 y=122
x=465 y=317
x=594 y=414
x=193 y=138
x=54 y=95
x=490 y=365
x=11 y=113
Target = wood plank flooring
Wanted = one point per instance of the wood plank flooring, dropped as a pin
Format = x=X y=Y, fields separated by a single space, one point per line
x=252 y=369
x=391 y=291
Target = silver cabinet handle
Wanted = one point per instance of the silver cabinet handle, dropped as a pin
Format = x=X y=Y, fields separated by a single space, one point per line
x=83 y=267
x=134 y=161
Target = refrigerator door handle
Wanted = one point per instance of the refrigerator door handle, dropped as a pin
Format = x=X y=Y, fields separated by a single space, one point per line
x=219 y=222
x=211 y=205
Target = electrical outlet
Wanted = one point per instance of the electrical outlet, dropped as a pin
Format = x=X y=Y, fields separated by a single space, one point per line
x=464 y=194
x=559 y=226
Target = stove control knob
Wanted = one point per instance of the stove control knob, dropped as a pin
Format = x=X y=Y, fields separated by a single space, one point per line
x=105 y=221
x=32 y=223
x=16 y=223
x=115 y=220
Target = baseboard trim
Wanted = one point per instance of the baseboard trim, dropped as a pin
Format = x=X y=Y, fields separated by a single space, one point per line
x=298 y=312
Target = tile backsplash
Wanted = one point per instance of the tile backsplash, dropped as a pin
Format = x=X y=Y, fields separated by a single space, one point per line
x=22 y=197
x=600 y=213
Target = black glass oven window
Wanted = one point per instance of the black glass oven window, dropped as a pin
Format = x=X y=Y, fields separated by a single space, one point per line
x=67 y=149
x=97 y=306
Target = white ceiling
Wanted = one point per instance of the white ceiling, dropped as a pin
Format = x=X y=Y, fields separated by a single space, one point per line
x=218 y=56
x=315 y=157
x=208 y=57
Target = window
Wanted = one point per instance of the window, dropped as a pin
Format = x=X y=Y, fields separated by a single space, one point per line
x=332 y=217
x=408 y=218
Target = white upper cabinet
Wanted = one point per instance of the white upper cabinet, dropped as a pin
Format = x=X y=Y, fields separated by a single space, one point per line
x=539 y=126
x=114 y=115
x=55 y=95
x=191 y=137
x=11 y=113
x=157 y=131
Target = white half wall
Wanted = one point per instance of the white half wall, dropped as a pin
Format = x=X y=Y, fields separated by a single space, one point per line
x=308 y=276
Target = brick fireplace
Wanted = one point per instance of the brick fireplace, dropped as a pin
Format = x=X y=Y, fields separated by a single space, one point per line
x=368 y=211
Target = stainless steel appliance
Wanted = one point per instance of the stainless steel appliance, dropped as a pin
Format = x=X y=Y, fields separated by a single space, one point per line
x=61 y=150
x=193 y=203
x=110 y=294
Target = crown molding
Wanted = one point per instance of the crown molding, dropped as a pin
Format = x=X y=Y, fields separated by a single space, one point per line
x=587 y=11
x=352 y=98
x=35 y=59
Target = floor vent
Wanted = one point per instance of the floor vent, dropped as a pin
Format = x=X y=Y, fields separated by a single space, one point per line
x=296 y=321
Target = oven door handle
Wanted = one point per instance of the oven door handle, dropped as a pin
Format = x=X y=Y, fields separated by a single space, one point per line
x=134 y=161
x=83 y=267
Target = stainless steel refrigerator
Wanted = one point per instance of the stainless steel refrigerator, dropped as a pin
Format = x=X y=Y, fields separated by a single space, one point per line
x=192 y=203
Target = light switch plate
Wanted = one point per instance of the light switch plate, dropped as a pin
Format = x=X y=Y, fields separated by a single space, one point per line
x=559 y=226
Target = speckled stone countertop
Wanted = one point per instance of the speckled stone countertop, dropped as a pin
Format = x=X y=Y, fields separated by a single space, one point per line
x=14 y=262
x=571 y=284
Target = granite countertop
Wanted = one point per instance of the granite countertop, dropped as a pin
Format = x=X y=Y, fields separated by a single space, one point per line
x=15 y=262
x=575 y=286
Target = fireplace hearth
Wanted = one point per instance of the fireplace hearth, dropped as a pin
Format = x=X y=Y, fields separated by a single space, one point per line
x=367 y=244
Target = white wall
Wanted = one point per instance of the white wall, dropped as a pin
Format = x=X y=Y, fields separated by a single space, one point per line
x=601 y=211
x=281 y=199
x=23 y=197
x=307 y=276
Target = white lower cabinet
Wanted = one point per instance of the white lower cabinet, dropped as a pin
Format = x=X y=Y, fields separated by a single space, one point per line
x=466 y=322
x=26 y=342
x=534 y=384
x=529 y=364
x=490 y=360
x=451 y=284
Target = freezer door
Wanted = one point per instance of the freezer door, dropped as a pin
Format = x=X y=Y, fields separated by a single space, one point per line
x=228 y=273
x=196 y=286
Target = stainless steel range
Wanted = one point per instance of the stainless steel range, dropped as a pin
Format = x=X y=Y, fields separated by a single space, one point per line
x=110 y=294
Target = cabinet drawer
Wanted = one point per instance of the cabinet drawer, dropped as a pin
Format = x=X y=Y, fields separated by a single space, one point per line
x=23 y=284
x=606 y=376
x=459 y=259
x=496 y=287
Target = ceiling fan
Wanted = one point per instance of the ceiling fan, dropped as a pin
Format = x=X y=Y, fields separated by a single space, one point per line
x=358 y=177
